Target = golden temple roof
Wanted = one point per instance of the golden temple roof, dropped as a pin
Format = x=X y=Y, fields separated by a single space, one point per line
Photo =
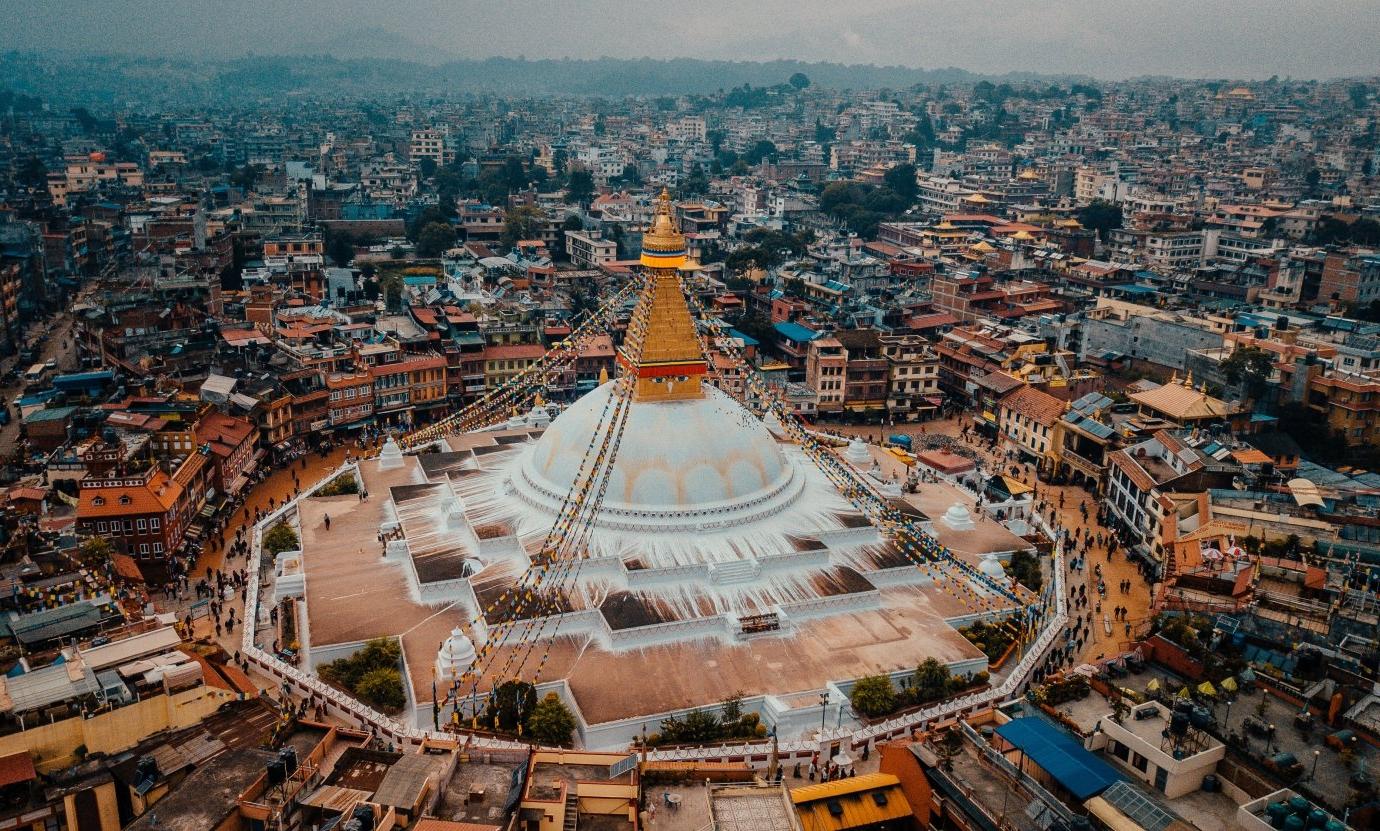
x=663 y=245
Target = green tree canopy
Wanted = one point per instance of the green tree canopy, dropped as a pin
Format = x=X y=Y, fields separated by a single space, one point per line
x=874 y=696
x=551 y=721
x=522 y=222
x=280 y=538
x=435 y=239
x=1100 y=216
x=579 y=188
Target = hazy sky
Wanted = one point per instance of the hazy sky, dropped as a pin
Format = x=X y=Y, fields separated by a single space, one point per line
x=1105 y=38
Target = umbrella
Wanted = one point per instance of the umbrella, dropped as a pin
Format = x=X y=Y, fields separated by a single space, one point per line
x=842 y=759
x=1229 y=684
x=1153 y=686
x=1183 y=693
x=1206 y=688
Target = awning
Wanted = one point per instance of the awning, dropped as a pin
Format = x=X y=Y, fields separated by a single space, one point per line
x=1305 y=492
x=1077 y=770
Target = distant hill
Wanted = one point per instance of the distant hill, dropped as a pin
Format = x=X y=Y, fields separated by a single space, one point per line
x=333 y=69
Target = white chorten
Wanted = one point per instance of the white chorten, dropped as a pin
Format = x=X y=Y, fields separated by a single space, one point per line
x=857 y=452
x=991 y=566
x=457 y=655
x=958 y=517
x=391 y=456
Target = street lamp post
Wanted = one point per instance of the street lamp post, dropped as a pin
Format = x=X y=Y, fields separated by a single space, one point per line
x=1312 y=774
x=823 y=709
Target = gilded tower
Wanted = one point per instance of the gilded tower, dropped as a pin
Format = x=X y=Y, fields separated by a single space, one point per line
x=671 y=365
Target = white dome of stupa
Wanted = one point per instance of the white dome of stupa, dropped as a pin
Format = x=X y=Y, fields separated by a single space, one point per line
x=991 y=566
x=958 y=517
x=679 y=463
x=457 y=655
x=391 y=455
x=857 y=452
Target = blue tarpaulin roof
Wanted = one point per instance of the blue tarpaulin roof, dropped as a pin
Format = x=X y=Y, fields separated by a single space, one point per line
x=795 y=332
x=1079 y=771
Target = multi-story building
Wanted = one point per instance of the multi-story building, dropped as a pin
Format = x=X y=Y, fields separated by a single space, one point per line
x=824 y=371
x=351 y=398
x=230 y=440
x=588 y=249
x=1030 y=420
x=405 y=389
x=430 y=144
x=913 y=378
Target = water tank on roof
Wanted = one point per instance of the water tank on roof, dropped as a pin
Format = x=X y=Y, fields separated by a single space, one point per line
x=1178 y=724
x=1299 y=804
x=1317 y=818
x=1275 y=813
x=1294 y=822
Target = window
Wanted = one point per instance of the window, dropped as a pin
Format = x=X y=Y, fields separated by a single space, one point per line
x=143 y=548
x=125 y=500
x=141 y=525
x=154 y=523
x=101 y=527
x=158 y=548
x=1139 y=762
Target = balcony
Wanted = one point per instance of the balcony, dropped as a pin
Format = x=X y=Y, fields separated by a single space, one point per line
x=1082 y=464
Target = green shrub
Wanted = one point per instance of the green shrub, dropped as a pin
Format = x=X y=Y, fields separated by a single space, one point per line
x=341 y=485
x=281 y=538
x=551 y=721
x=371 y=674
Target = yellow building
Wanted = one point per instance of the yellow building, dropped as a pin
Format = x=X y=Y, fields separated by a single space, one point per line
x=871 y=801
x=559 y=782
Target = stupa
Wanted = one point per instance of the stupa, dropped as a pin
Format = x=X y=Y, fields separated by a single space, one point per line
x=721 y=559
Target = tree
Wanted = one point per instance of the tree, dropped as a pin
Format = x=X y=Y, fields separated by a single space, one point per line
x=901 y=179
x=382 y=689
x=551 y=721
x=522 y=222
x=800 y=80
x=931 y=680
x=427 y=167
x=94 y=552
x=948 y=747
x=579 y=188
x=732 y=708
x=630 y=176
x=510 y=705
x=341 y=247
x=435 y=239
x=573 y=223
x=874 y=696
x=1100 y=216
x=280 y=538
x=31 y=173
x=1249 y=367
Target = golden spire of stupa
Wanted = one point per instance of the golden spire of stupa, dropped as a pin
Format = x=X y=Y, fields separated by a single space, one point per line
x=670 y=364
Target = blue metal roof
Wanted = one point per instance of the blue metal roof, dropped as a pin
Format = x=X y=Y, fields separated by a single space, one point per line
x=1079 y=771
x=747 y=341
x=795 y=332
x=1135 y=288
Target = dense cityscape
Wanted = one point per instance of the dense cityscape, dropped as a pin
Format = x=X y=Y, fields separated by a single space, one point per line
x=855 y=449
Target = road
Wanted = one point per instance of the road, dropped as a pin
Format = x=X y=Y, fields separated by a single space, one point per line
x=58 y=346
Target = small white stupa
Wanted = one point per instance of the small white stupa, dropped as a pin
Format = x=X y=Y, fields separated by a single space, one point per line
x=857 y=452
x=391 y=456
x=958 y=517
x=991 y=566
x=456 y=657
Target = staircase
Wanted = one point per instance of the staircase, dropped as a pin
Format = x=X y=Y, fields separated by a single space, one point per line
x=572 y=812
x=735 y=571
